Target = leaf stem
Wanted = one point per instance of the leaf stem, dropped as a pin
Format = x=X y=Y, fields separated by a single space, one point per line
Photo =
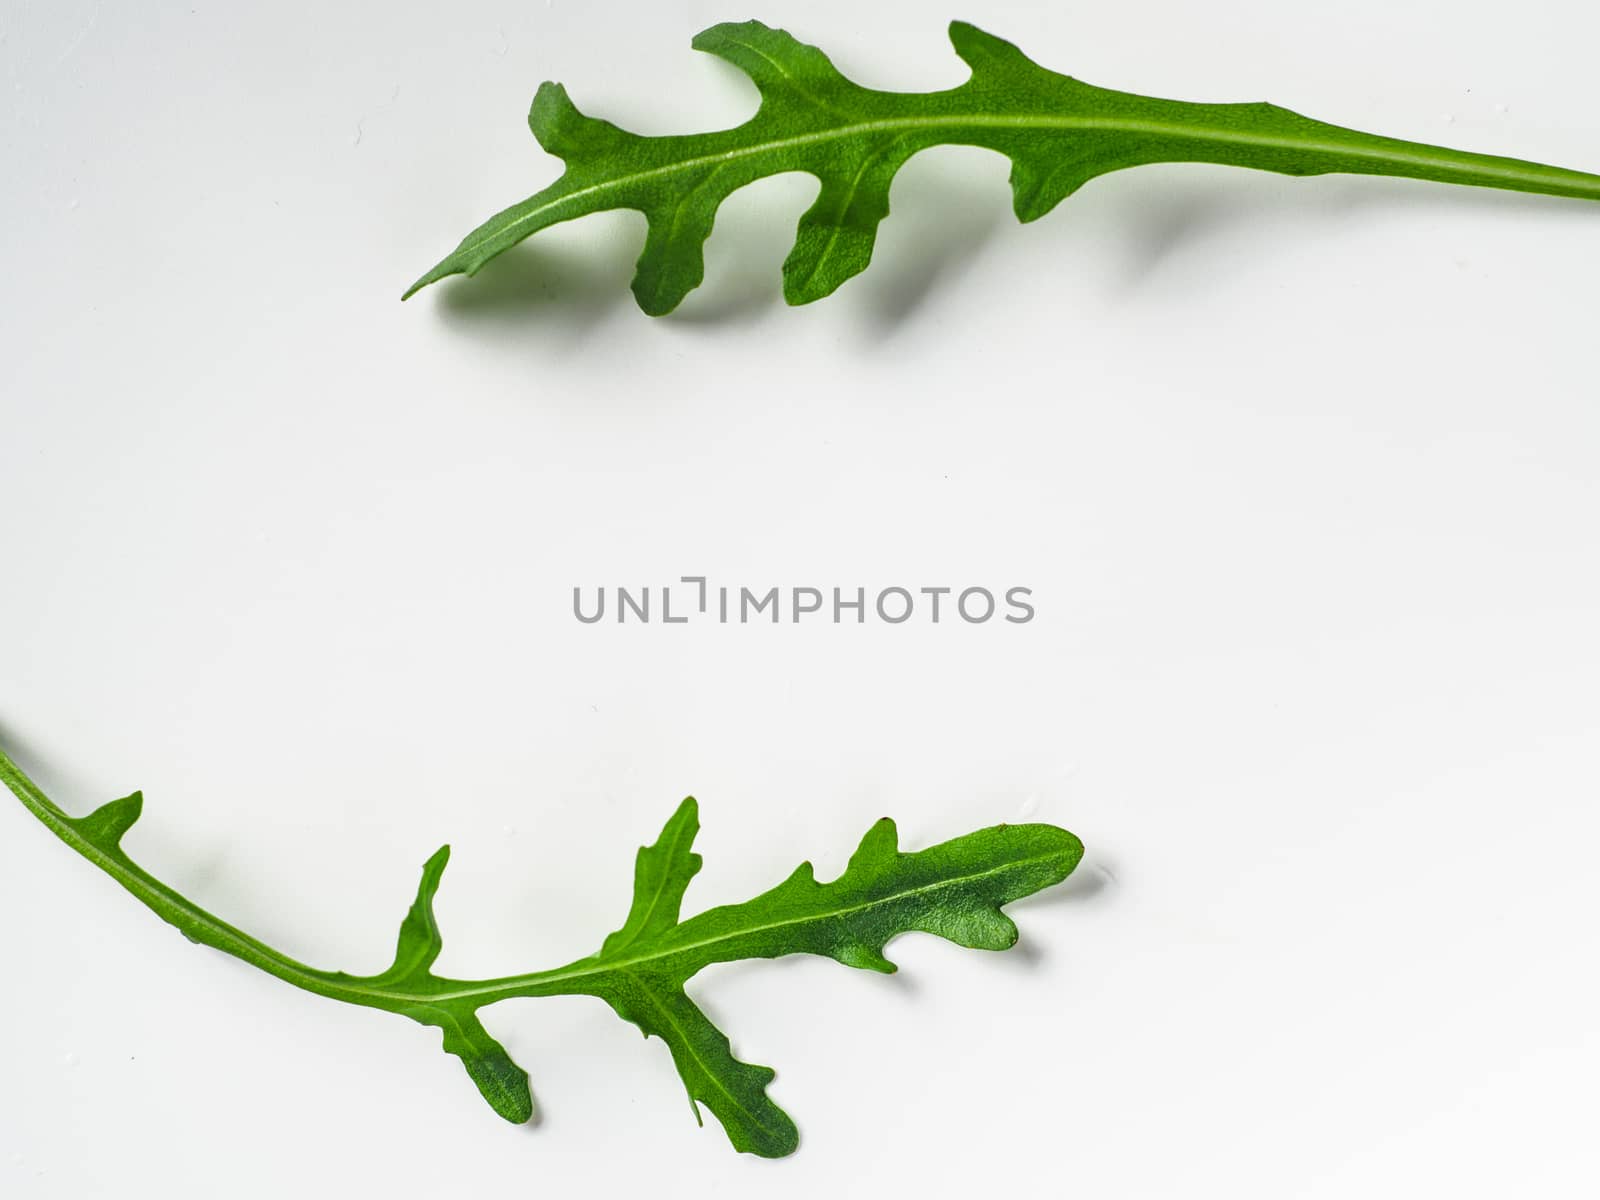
x=577 y=976
x=187 y=917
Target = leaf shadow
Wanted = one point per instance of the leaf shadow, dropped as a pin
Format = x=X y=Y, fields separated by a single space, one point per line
x=536 y=1121
x=561 y=284
x=937 y=258
x=1164 y=219
x=17 y=746
x=948 y=204
x=558 y=290
x=1091 y=883
x=204 y=873
x=754 y=230
x=54 y=775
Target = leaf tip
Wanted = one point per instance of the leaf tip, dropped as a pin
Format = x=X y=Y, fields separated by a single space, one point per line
x=1035 y=192
x=500 y=1081
x=881 y=841
x=866 y=958
x=505 y=1086
x=655 y=297
x=979 y=49
x=432 y=872
x=106 y=825
x=778 y=1143
x=553 y=116
x=1070 y=850
x=683 y=825
x=800 y=290
x=714 y=37
x=1009 y=934
x=437 y=273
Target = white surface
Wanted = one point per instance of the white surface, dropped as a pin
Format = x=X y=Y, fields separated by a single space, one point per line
x=1305 y=475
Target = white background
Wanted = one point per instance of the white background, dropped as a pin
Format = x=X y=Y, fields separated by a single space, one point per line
x=1305 y=475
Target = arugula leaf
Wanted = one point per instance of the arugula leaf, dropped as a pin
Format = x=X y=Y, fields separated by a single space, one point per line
x=1058 y=132
x=954 y=890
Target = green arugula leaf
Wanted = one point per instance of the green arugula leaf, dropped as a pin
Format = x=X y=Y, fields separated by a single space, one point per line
x=1058 y=132
x=954 y=890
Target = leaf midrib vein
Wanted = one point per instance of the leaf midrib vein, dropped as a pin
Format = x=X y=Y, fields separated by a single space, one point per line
x=588 y=967
x=1420 y=155
x=338 y=985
